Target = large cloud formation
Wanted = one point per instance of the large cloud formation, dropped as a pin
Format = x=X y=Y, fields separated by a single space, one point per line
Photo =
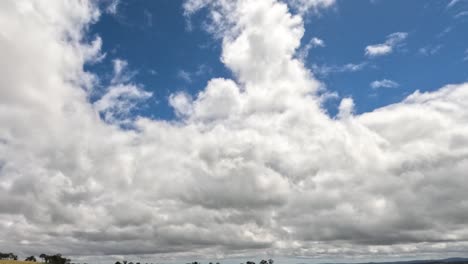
x=252 y=166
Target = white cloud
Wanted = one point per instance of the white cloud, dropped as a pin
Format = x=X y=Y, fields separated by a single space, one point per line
x=112 y=7
x=430 y=50
x=120 y=99
x=184 y=75
x=304 y=6
x=393 y=41
x=182 y=104
x=385 y=83
x=378 y=50
x=452 y=3
x=253 y=166
x=461 y=14
x=314 y=42
x=324 y=70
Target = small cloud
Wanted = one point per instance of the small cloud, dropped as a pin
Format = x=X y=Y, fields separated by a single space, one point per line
x=461 y=14
x=203 y=69
x=184 y=75
x=466 y=55
x=148 y=18
x=378 y=50
x=112 y=8
x=452 y=3
x=188 y=76
x=385 y=83
x=324 y=70
x=304 y=6
x=393 y=40
x=314 y=42
x=444 y=32
x=152 y=72
x=121 y=74
x=429 y=50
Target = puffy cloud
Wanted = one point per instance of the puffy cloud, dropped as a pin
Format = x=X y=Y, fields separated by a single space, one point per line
x=253 y=165
x=385 y=83
x=393 y=40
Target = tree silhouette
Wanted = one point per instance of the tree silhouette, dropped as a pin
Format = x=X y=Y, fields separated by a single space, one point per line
x=8 y=256
x=31 y=258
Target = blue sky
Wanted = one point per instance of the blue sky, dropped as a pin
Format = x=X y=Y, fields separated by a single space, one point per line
x=168 y=55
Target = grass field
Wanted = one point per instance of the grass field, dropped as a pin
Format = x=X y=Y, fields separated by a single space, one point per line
x=7 y=261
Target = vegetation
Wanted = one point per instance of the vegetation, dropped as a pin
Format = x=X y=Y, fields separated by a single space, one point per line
x=9 y=256
x=31 y=258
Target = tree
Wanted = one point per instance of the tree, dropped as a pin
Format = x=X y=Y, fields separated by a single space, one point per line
x=271 y=261
x=8 y=256
x=263 y=261
x=43 y=257
x=31 y=258
x=117 y=262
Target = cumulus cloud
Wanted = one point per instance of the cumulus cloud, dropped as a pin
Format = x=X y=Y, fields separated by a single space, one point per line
x=385 y=83
x=393 y=40
x=253 y=165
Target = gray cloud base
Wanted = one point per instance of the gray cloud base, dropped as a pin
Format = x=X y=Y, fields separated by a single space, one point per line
x=252 y=166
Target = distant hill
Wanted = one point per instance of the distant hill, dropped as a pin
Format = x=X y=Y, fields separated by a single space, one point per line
x=424 y=261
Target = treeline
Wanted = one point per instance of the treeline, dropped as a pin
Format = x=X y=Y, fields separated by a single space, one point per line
x=8 y=256
x=50 y=259
x=270 y=261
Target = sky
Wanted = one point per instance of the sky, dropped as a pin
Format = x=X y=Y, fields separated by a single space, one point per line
x=167 y=131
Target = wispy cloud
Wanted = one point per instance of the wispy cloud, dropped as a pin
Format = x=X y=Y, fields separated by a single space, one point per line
x=452 y=3
x=121 y=72
x=385 y=83
x=184 y=75
x=112 y=8
x=461 y=14
x=188 y=76
x=430 y=50
x=393 y=40
x=314 y=42
x=324 y=70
